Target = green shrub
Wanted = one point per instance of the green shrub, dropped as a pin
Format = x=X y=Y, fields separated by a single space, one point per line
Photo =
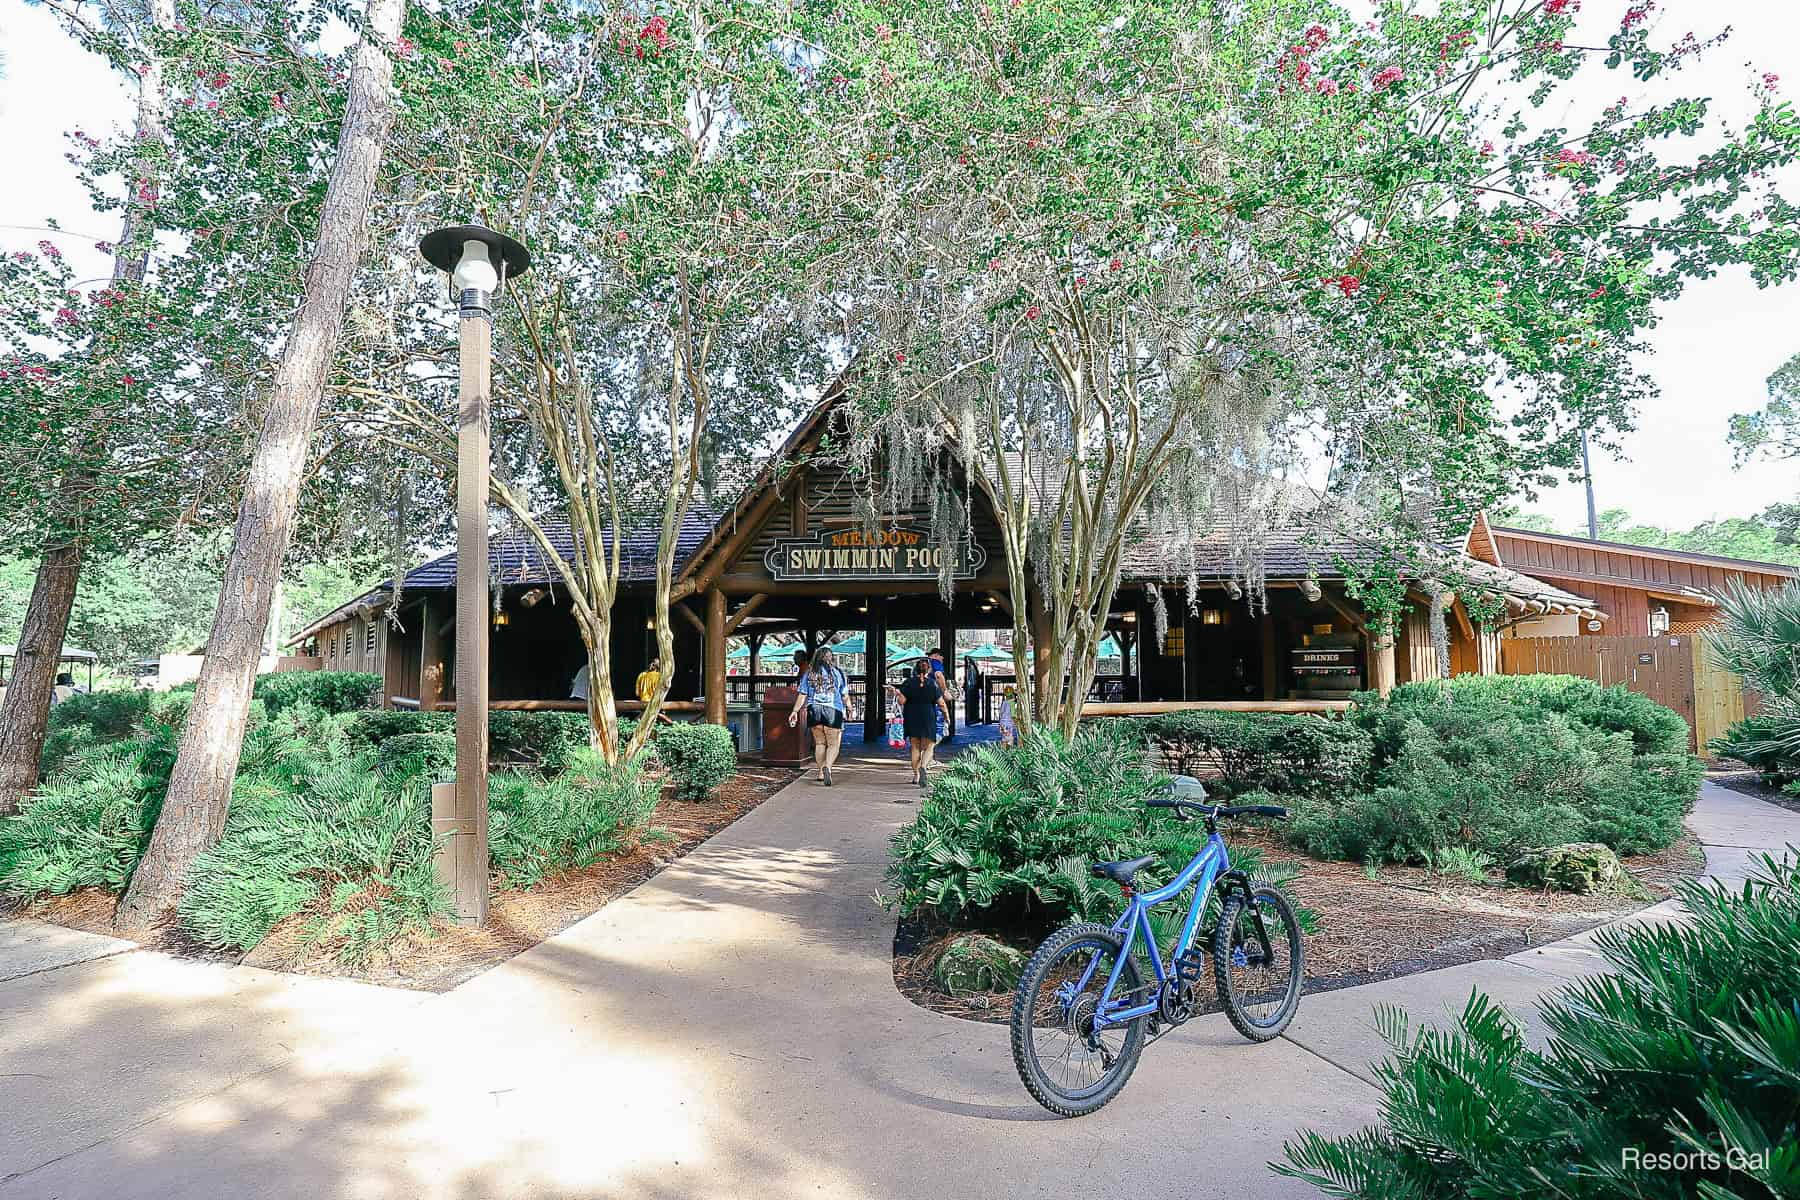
x=1767 y=741
x=1501 y=764
x=430 y=755
x=1654 y=728
x=1009 y=832
x=1497 y=778
x=1245 y=752
x=540 y=826
x=1690 y=1044
x=84 y=721
x=87 y=826
x=699 y=757
x=544 y=740
x=333 y=691
x=346 y=842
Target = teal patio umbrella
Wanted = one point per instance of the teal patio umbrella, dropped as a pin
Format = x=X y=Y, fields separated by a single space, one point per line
x=742 y=651
x=988 y=652
x=900 y=654
x=1109 y=648
x=855 y=644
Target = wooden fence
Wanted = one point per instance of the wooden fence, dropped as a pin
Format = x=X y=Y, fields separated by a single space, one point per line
x=1674 y=670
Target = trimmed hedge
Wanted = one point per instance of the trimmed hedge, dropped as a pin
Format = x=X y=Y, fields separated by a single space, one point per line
x=545 y=740
x=699 y=757
x=332 y=691
x=1246 y=752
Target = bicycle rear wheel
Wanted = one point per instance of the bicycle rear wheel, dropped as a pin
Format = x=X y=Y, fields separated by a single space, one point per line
x=1258 y=963
x=1064 y=1063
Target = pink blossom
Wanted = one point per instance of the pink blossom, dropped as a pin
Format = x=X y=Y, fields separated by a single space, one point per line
x=993 y=264
x=1316 y=36
x=1386 y=78
x=900 y=356
x=1487 y=149
x=884 y=32
x=1636 y=15
x=1346 y=283
x=128 y=380
x=1327 y=87
x=22 y=256
x=406 y=47
x=65 y=316
x=1116 y=263
x=656 y=31
x=104 y=247
x=1554 y=8
x=278 y=100
x=1597 y=292
x=1770 y=79
x=48 y=250
x=1033 y=313
x=1302 y=69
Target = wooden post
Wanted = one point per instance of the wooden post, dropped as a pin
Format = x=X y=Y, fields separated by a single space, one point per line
x=431 y=657
x=466 y=853
x=947 y=639
x=1487 y=651
x=756 y=641
x=714 y=682
x=875 y=672
x=1381 y=662
x=1271 y=661
x=1041 y=683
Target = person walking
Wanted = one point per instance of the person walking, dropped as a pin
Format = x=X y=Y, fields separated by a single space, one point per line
x=921 y=704
x=943 y=681
x=825 y=694
x=971 y=692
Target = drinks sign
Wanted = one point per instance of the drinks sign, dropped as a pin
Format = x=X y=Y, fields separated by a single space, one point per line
x=895 y=553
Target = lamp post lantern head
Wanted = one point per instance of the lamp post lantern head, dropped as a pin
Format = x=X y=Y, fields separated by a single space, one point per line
x=478 y=260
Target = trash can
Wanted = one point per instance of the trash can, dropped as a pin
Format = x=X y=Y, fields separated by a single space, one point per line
x=784 y=745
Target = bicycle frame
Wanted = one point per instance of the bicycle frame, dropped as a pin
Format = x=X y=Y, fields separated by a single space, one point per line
x=1208 y=867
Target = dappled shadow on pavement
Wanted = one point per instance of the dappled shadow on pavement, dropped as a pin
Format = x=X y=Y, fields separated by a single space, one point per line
x=729 y=1029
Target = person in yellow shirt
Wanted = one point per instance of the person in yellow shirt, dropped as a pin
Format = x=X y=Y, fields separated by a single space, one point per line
x=648 y=680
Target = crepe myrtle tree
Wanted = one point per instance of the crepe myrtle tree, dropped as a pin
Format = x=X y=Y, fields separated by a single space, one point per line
x=1120 y=301
x=1774 y=430
x=668 y=172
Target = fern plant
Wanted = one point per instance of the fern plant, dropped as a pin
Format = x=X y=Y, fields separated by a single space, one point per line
x=1677 y=1075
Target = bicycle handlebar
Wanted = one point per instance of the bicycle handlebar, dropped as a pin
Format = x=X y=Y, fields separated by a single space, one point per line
x=1219 y=810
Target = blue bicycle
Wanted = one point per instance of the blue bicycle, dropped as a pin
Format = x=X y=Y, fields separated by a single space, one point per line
x=1083 y=1011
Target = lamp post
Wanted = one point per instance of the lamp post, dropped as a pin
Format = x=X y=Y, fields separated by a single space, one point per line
x=479 y=261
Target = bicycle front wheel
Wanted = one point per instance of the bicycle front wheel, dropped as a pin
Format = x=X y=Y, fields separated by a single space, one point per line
x=1257 y=963
x=1068 y=1065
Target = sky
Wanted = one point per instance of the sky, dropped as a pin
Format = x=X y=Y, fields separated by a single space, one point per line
x=1710 y=355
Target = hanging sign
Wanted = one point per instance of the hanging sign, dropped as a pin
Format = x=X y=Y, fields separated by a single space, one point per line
x=895 y=553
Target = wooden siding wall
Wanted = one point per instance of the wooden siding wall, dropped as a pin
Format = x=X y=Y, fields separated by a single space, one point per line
x=1619 y=581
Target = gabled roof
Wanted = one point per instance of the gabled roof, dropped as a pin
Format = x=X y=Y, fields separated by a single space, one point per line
x=516 y=559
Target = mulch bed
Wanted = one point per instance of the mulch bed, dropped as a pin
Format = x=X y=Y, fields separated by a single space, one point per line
x=1404 y=920
x=517 y=920
x=1751 y=783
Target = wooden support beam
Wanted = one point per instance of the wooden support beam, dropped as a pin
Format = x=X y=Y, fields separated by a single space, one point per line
x=1381 y=663
x=715 y=657
x=745 y=609
x=1271 y=661
x=1343 y=608
x=696 y=622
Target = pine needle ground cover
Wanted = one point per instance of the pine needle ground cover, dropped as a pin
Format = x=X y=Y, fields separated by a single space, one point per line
x=1677 y=1075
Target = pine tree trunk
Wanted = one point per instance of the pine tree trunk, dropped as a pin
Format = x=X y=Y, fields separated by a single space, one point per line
x=199 y=797
x=25 y=716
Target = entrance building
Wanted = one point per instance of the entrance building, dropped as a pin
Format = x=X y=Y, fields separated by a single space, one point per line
x=791 y=561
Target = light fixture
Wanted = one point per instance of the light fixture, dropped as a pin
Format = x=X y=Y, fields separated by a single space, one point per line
x=987 y=606
x=650 y=623
x=1311 y=590
x=479 y=262
x=863 y=607
x=1594 y=625
x=1233 y=590
x=1211 y=616
x=833 y=602
x=1659 y=621
x=501 y=617
x=532 y=598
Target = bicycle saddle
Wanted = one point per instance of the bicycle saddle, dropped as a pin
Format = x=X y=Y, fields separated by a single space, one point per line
x=1121 y=872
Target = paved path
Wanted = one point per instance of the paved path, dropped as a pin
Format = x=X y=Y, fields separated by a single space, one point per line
x=728 y=1029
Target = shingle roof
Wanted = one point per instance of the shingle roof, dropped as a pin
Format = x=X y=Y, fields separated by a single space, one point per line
x=1304 y=545
x=516 y=558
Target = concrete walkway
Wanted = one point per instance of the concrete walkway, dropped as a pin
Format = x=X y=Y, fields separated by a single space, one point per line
x=728 y=1029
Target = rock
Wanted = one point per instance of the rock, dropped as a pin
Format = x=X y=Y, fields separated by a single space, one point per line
x=976 y=963
x=1585 y=868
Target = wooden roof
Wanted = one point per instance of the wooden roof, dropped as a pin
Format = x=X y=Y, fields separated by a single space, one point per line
x=1679 y=576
